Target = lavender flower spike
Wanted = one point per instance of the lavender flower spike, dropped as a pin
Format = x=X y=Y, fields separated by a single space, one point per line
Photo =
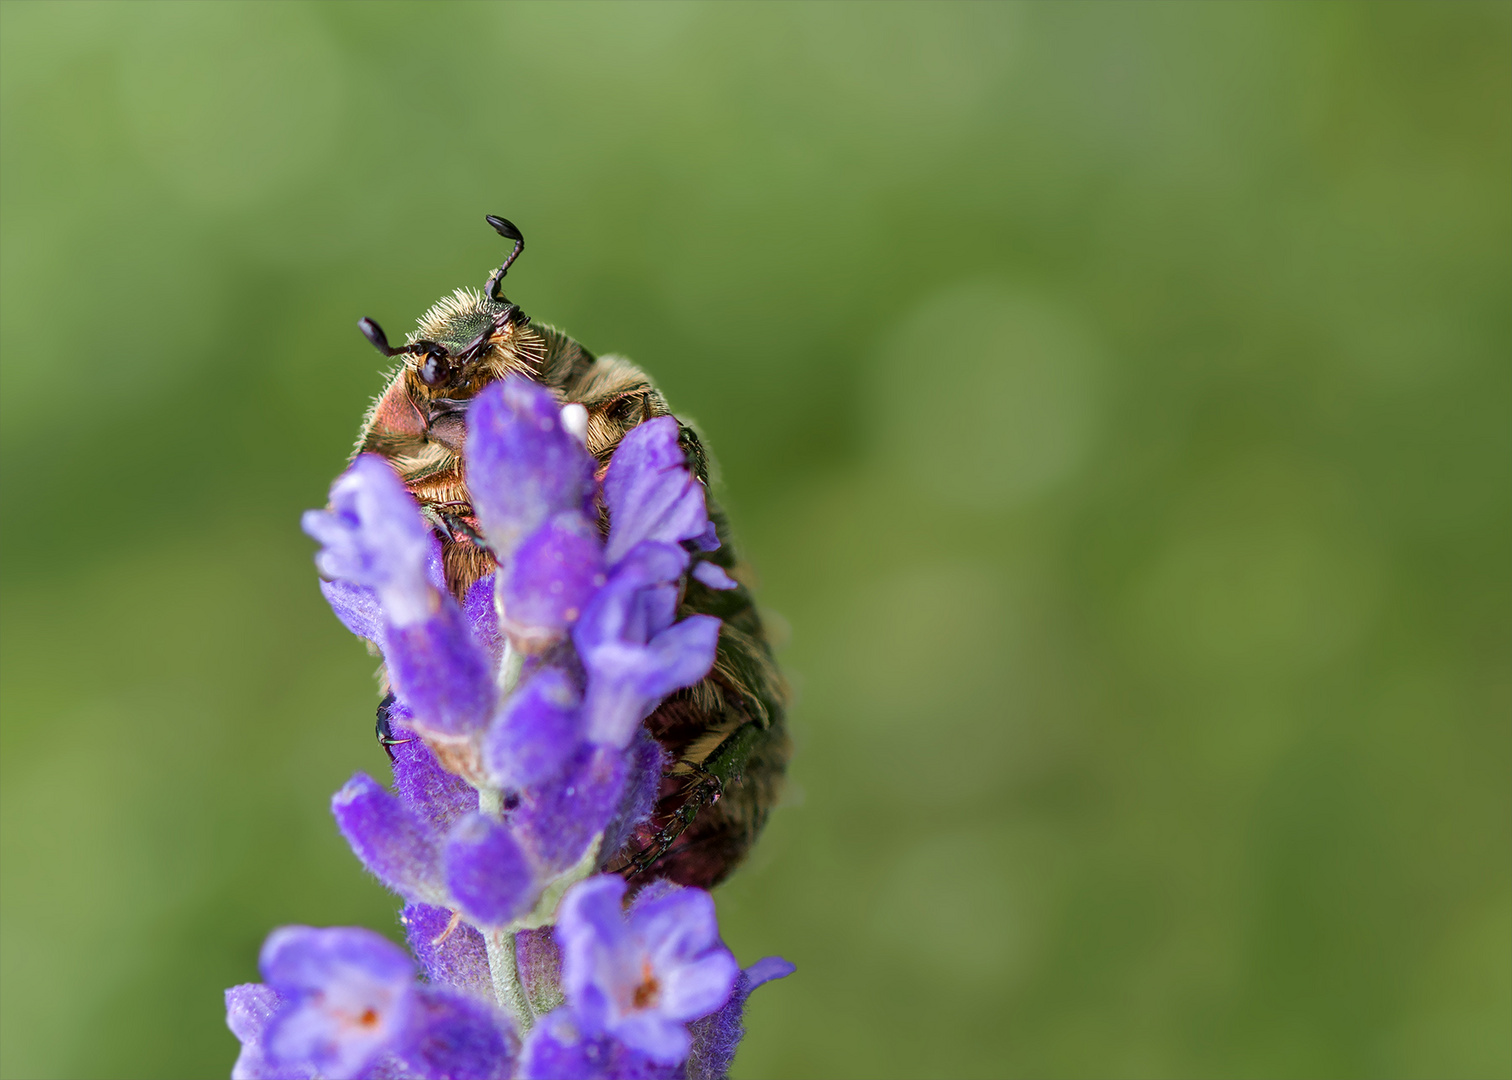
x=640 y=977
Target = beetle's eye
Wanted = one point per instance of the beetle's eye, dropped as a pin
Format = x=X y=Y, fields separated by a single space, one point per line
x=434 y=367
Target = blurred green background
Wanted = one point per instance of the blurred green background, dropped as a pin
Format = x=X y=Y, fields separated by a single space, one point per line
x=1114 y=401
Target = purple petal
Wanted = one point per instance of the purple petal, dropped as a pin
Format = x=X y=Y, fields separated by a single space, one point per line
x=708 y=540
x=767 y=969
x=681 y=924
x=626 y=681
x=348 y=995
x=249 y=1009
x=522 y=464
x=299 y=958
x=698 y=987
x=436 y=796
x=441 y=672
x=453 y=955
x=393 y=842
x=486 y=872
x=633 y=657
x=357 y=607
x=374 y=535
x=557 y=820
x=652 y=567
x=557 y=1048
x=650 y=491
x=657 y=1036
x=715 y=1037
x=592 y=935
x=457 y=1037
x=639 y=976
x=713 y=575
x=483 y=617
x=551 y=578
x=535 y=735
x=681 y=935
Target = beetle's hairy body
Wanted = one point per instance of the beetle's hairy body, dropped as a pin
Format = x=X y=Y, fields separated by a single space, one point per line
x=726 y=733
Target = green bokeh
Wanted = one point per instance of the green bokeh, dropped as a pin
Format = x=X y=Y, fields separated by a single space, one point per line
x=1114 y=401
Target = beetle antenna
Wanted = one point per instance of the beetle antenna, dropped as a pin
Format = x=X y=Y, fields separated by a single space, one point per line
x=507 y=229
x=374 y=333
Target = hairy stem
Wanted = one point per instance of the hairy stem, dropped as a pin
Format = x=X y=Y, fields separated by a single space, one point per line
x=508 y=988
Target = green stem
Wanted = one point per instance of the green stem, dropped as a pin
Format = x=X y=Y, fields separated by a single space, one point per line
x=508 y=988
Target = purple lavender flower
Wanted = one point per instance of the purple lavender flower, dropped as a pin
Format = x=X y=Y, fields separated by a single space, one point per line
x=393 y=842
x=374 y=538
x=651 y=493
x=551 y=578
x=635 y=655
x=487 y=874
x=532 y=739
x=441 y=672
x=523 y=465
x=558 y=1048
x=346 y=994
x=343 y=1003
x=556 y=821
x=641 y=976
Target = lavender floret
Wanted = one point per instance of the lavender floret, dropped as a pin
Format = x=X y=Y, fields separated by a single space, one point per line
x=397 y=846
x=373 y=536
x=639 y=976
x=523 y=465
x=536 y=734
x=487 y=874
x=347 y=995
x=633 y=652
x=551 y=578
x=650 y=491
